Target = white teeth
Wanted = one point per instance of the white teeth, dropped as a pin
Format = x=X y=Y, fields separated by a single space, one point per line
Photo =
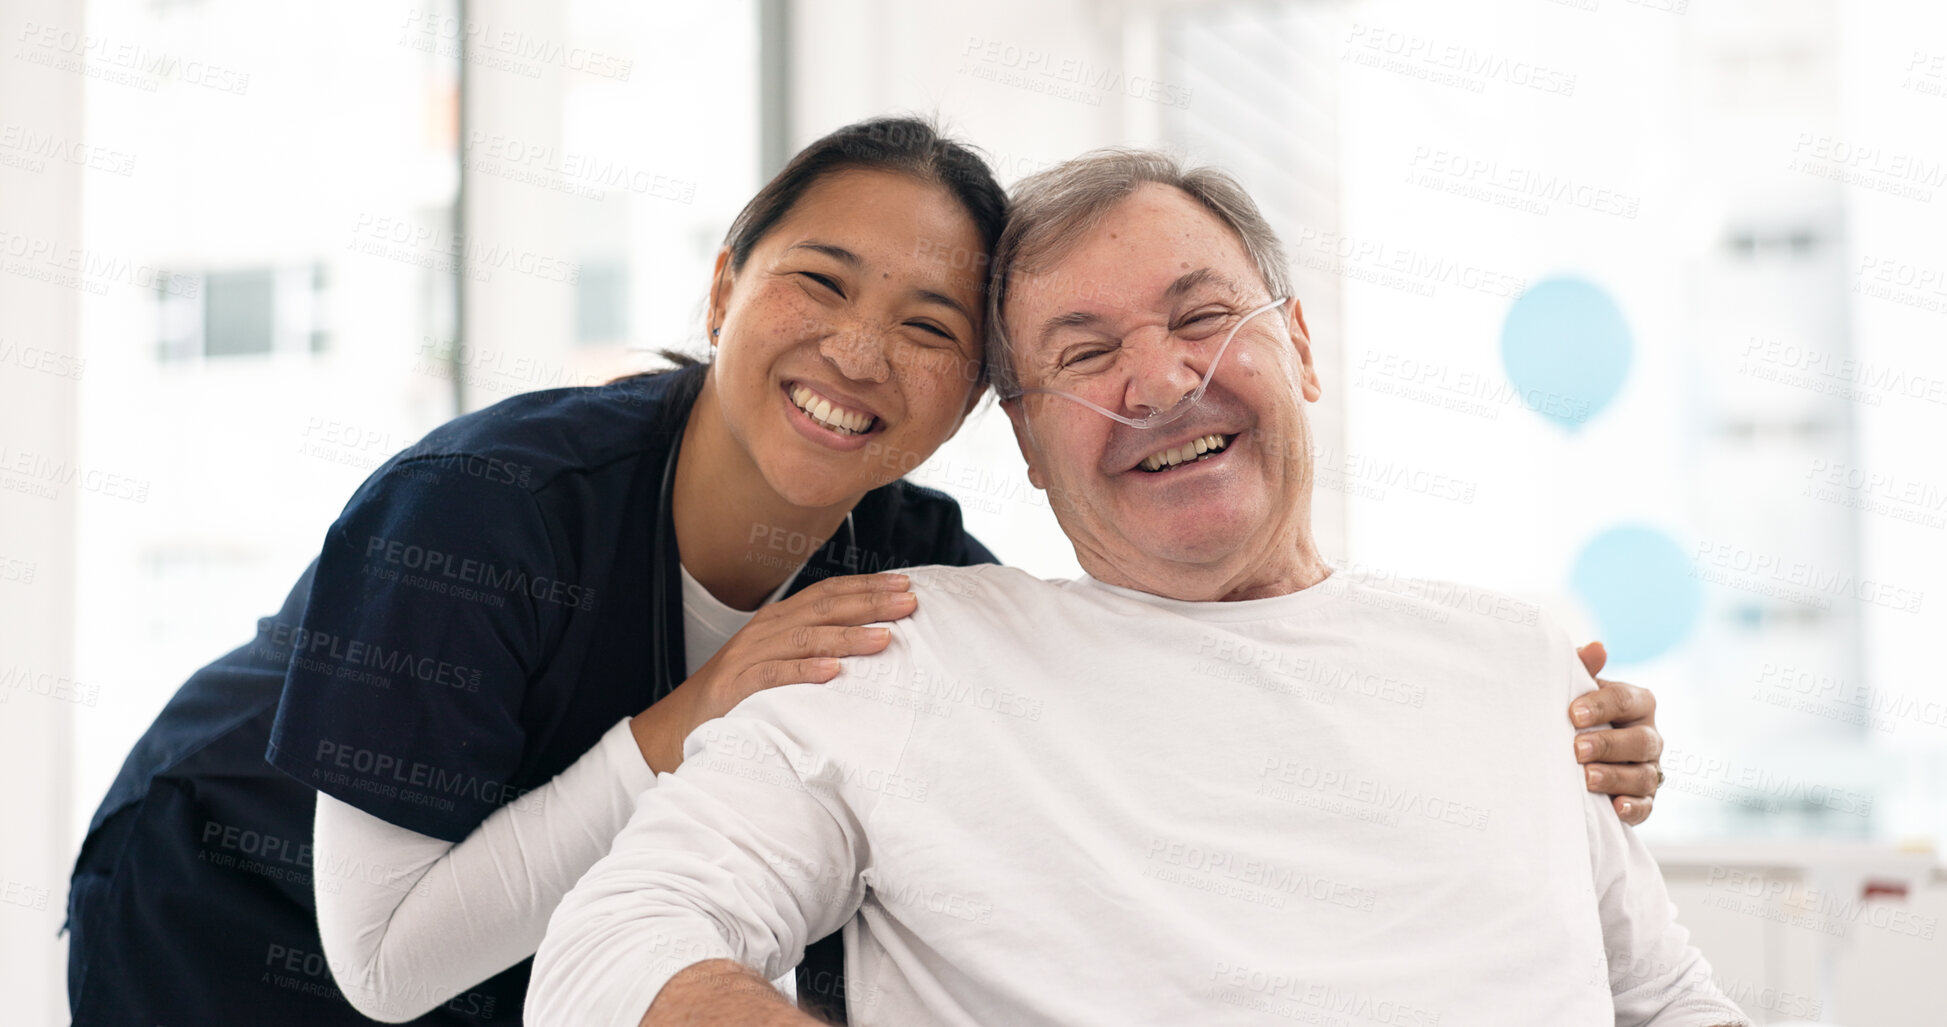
x=1195 y=449
x=829 y=414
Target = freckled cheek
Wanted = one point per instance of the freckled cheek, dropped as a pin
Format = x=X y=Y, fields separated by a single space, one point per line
x=932 y=386
x=924 y=421
x=790 y=320
x=779 y=314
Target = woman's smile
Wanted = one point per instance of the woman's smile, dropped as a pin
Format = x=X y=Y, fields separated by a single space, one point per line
x=840 y=425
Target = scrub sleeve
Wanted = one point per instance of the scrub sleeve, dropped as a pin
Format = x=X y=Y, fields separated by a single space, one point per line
x=413 y=658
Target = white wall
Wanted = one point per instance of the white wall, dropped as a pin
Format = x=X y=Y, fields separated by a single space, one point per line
x=37 y=424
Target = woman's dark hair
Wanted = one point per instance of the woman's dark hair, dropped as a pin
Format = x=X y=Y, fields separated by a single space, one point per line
x=907 y=146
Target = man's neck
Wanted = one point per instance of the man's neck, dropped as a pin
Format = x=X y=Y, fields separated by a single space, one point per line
x=728 y=517
x=1288 y=567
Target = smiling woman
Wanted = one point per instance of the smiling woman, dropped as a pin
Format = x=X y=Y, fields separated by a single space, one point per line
x=839 y=323
x=845 y=314
x=843 y=346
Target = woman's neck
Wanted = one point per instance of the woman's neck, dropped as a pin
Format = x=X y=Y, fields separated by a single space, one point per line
x=738 y=538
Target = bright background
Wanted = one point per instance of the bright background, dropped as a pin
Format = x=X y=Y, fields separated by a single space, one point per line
x=1631 y=307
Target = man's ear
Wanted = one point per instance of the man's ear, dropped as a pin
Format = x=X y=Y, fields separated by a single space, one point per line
x=720 y=282
x=1301 y=337
x=1024 y=437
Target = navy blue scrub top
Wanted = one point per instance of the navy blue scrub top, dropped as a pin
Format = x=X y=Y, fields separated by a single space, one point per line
x=485 y=608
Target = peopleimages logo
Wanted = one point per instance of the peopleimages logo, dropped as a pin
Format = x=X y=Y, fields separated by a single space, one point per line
x=373 y=766
x=1819 y=909
x=312 y=649
x=486 y=575
x=1064 y=77
x=1795 y=581
x=1451 y=64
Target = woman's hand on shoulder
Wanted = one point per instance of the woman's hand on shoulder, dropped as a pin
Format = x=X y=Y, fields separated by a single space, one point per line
x=799 y=640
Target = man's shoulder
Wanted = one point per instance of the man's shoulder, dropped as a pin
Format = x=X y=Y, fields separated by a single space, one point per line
x=976 y=581
x=1436 y=602
x=964 y=600
x=1461 y=625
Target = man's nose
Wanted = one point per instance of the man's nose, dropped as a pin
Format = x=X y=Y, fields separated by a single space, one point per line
x=858 y=351
x=1159 y=375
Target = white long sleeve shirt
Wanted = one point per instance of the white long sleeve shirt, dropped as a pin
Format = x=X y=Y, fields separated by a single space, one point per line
x=409 y=921
x=1069 y=803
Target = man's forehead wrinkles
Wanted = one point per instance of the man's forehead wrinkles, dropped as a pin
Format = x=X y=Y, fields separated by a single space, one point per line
x=1085 y=305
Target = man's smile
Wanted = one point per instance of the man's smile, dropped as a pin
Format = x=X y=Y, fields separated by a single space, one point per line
x=1197 y=450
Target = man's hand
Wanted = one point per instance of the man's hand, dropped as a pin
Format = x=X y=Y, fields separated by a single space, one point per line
x=1621 y=759
x=723 y=993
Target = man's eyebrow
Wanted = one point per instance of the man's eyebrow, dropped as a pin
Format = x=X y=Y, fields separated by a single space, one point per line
x=1185 y=283
x=1195 y=278
x=1072 y=319
x=838 y=253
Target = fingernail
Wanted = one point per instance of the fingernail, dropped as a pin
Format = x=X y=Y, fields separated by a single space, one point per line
x=1595 y=777
x=1581 y=711
x=1626 y=807
x=898 y=580
x=827 y=666
x=1584 y=748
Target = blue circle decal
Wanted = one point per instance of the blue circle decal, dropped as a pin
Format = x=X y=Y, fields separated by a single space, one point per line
x=1638 y=583
x=1566 y=349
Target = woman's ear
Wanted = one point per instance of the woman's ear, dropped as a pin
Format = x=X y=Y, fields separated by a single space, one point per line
x=720 y=282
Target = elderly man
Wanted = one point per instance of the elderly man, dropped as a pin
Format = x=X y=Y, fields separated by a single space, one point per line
x=1211 y=781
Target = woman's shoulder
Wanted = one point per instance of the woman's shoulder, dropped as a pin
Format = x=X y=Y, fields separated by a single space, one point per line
x=914 y=524
x=531 y=439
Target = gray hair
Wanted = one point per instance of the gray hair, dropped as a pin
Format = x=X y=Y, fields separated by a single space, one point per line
x=1054 y=207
